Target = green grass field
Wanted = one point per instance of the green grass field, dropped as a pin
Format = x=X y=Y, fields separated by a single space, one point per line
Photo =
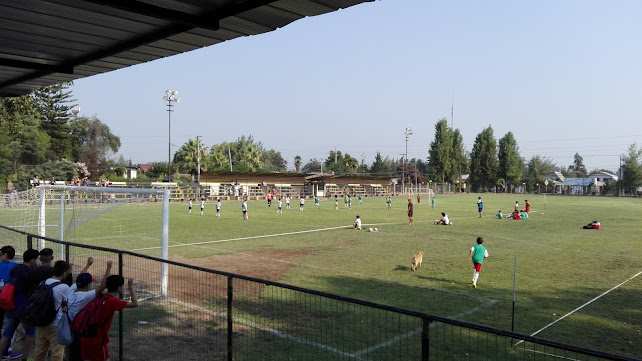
x=560 y=267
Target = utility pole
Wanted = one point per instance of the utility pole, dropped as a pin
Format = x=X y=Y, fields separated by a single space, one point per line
x=408 y=133
x=619 y=178
x=198 y=164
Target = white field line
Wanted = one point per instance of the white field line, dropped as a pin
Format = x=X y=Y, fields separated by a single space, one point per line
x=256 y=237
x=354 y=355
x=579 y=308
x=552 y=355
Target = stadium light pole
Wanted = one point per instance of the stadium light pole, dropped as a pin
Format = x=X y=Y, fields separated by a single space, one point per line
x=408 y=133
x=171 y=96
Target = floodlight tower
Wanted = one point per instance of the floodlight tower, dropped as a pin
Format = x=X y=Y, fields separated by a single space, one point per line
x=408 y=133
x=171 y=96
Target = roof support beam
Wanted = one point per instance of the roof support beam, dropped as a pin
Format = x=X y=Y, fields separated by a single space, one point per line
x=65 y=69
x=157 y=12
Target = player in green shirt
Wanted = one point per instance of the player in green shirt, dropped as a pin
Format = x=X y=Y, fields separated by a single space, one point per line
x=316 y=202
x=500 y=215
x=433 y=202
x=359 y=199
x=477 y=255
x=345 y=201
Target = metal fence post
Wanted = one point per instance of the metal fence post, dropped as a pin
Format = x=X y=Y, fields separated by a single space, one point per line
x=67 y=252
x=29 y=241
x=425 y=339
x=230 y=296
x=121 y=351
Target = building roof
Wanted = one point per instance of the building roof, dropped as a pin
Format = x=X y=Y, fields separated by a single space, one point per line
x=44 y=42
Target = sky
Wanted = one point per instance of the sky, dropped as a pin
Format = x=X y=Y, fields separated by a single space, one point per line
x=563 y=76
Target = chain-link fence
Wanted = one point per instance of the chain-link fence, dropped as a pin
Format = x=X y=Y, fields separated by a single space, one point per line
x=212 y=315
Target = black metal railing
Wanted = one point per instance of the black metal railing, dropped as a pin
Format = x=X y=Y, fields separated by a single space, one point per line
x=204 y=314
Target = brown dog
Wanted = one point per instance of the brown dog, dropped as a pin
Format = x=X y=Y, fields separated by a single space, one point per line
x=416 y=261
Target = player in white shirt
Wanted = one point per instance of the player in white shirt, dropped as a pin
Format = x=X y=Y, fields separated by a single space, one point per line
x=287 y=201
x=357 y=224
x=244 y=209
x=202 y=206
x=218 y=207
x=279 y=206
x=301 y=203
x=190 y=205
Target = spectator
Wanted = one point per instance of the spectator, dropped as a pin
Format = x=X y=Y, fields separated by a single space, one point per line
x=18 y=276
x=96 y=348
x=46 y=335
x=7 y=253
x=79 y=296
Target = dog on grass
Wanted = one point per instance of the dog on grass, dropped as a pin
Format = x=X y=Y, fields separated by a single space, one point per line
x=416 y=261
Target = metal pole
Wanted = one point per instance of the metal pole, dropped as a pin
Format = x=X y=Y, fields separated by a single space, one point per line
x=230 y=324
x=229 y=152
x=169 y=141
x=512 y=327
x=41 y=218
x=62 y=226
x=165 y=244
x=198 y=165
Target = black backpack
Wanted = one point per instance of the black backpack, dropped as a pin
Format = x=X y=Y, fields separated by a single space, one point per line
x=41 y=306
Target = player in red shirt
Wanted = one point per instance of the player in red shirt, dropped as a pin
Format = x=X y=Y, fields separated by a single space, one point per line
x=528 y=206
x=95 y=348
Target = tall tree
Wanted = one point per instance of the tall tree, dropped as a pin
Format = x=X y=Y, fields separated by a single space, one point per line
x=536 y=167
x=483 y=160
x=93 y=143
x=510 y=162
x=54 y=104
x=219 y=157
x=460 y=163
x=26 y=142
x=186 y=159
x=312 y=166
x=440 y=161
x=578 y=166
x=297 y=163
x=379 y=167
x=273 y=161
x=632 y=169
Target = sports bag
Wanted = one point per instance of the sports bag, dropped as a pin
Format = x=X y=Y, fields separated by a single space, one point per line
x=7 y=297
x=87 y=320
x=41 y=306
x=63 y=332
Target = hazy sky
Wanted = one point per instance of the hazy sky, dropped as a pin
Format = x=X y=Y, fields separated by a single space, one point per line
x=563 y=76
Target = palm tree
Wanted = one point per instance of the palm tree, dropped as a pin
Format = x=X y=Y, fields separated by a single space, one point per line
x=297 y=163
x=186 y=158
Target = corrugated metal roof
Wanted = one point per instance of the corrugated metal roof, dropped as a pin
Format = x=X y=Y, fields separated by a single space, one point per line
x=43 y=42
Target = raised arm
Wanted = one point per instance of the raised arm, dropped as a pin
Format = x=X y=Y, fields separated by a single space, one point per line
x=134 y=301
x=103 y=282
x=90 y=261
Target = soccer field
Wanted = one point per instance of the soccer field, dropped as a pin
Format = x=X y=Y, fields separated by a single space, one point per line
x=572 y=285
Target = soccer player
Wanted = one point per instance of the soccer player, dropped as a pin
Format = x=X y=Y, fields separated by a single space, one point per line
x=269 y=199
x=500 y=215
x=287 y=201
x=202 y=205
x=218 y=207
x=302 y=203
x=523 y=214
x=418 y=199
x=477 y=254
x=316 y=202
x=345 y=201
x=389 y=202
x=516 y=206
x=480 y=206
x=190 y=205
x=411 y=212
x=434 y=202
x=357 y=224
x=349 y=201
x=528 y=206
x=244 y=209
x=444 y=220
x=279 y=206
x=359 y=199
x=336 y=203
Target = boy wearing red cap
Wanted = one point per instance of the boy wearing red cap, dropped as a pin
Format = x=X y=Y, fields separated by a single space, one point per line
x=410 y=212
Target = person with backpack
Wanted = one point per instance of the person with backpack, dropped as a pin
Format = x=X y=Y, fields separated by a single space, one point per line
x=95 y=347
x=7 y=253
x=17 y=277
x=46 y=334
x=79 y=296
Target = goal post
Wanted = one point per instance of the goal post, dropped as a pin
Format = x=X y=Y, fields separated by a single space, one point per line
x=119 y=218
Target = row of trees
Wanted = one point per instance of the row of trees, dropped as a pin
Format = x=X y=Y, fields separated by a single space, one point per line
x=39 y=135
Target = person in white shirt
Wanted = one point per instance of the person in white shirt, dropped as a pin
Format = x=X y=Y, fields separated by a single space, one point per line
x=279 y=206
x=202 y=205
x=287 y=201
x=244 y=209
x=46 y=335
x=444 y=220
x=301 y=203
x=190 y=205
x=218 y=207
x=79 y=296
x=357 y=224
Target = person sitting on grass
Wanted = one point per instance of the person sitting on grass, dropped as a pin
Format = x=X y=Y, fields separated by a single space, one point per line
x=357 y=224
x=523 y=214
x=500 y=215
x=514 y=215
x=444 y=220
x=594 y=225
